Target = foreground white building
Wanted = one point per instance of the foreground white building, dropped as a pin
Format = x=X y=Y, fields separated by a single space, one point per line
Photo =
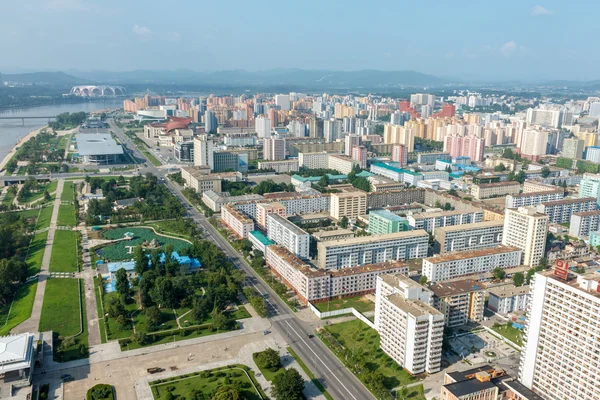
x=410 y=328
x=288 y=235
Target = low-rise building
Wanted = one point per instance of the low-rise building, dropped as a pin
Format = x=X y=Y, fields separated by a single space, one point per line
x=335 y=234
x=316 y=285
x=487 y=190
x=395 y=198
x=460 y=301
x=215 y=200
x=281 y=167
x=584 y=222
x=410 y=328
x=383 y=221
x=480 y=235
x=560 y=211
x=237 y=221
x=533 y=198
x=259 y=241
x=429 y=221
x=263 y=210
x=534 y=186
x=363 y=250
x=288 y=235
x=199 y=181
x=454 y=265
x=506 y=299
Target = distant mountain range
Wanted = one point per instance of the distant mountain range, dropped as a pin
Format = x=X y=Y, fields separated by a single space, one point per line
x=42 y=78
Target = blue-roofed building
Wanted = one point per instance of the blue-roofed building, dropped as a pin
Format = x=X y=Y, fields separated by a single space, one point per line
x=259 y=240
x=189 y=264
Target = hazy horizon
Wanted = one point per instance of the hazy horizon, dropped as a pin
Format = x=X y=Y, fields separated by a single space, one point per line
x=514 y=40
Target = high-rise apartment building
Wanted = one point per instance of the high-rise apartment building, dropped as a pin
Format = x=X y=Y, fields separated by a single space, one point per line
x=288 y=235
x=559 y=359
x=573 y=148
x=203 y=151
x=274 y=149
x=210 y=121
x=349 y=142
x=400 y=154
x=534 y=143
x=263 y=126
x=410 y=328
x=383 y=221
x=592 y=153
x=547 y=117
x=590 y=186
x=469 y=146
x=349 y=204
x=359 y=154
x=332 y=130
x=526 y=229
x=283 y=101
x=398 y=134
x=316 y=128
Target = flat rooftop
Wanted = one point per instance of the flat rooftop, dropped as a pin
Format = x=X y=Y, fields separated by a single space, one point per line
x=436 y=214
x=390 y=216
x=587 y=213
x=509 y=290
x=334 y=232
x=469 y=227
x=462 y=255
x=375 y=238
x=96 y=144
x=287 y=224
x=533 y=194
x=569 y=201
x=453 y=288
x=497 y=184
x=416 y=308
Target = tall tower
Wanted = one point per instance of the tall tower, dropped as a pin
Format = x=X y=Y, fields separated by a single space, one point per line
x=526 y=229
x=204 y=151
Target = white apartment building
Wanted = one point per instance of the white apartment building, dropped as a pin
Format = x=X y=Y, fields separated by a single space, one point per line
x=547 y=117
x=460 y=301
x=302 y=204
x=531 y=186
x=559 y=359
x=240 y=140
x=410 y=328
x=204 y=151
x=526 y=229
x=592 y=153
x=349 y=142
x=583 y=223
x=344 y=164
x=479 y=235
x=274 y=149
x=534 y=143
x=316 y=285
x=363 y=250
x=453 y=265
x=487 y=190
x=288 y=235
x=318 y=160
x=560 y=211
x=237 y=221
x=509 y=298
x=533 y=198
x=350 y=204
x=281 y=167
x=429 y=221
x=263 y=126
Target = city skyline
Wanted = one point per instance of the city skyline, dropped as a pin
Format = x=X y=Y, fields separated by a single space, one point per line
x=527 y=41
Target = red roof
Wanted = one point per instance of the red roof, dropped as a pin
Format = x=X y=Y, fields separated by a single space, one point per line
x=177 y=123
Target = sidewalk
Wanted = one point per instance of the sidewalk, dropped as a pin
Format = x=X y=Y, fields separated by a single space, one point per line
x=32 y=324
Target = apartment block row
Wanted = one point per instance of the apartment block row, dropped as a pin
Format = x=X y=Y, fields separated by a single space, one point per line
x=237 y=221
x=316 y=285
x=454 y=265
x=561 y=211
x=281 y=166
x=533 y=198
x=496 y=189
x=479 y=235
x=363 y=250
x=322 y=160
x=288 y=235
x=201 y=181
x=584 y=222
x=429 y=221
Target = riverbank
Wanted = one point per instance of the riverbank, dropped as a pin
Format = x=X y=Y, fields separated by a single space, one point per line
x=10 y=155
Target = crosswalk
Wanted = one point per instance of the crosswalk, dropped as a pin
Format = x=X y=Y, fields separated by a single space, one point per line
x=62 y=274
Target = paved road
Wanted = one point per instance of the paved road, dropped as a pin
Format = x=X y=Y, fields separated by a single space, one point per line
x=32 y=324
x=338 y=380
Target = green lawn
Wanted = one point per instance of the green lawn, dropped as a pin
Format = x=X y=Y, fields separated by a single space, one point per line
x=157 y=338
x=208 y=382
x=354 y=339
x=240 y=313
x=68 y=193
x=360 y=303
x=66 y=215
x=8 y=199
x=60 y=314
x=511 y=333
x=60 y=311
x=267 y=373
x=21 y=308
x=151 y=158
x=42 y=216
x=36 y=252
x=65 y=257
x=50 y=187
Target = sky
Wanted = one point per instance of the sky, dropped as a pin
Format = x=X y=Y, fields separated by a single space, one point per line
x=470 y=39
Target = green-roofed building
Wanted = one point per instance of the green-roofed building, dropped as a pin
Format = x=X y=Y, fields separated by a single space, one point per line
x=259 y=240
x=383 y=221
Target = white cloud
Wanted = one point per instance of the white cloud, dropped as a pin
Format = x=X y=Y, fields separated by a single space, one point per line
x=508 y=47
x=538 y=10
x=141 y=30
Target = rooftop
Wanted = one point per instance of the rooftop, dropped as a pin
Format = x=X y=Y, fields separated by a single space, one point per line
x=436 y=214
x=387 y=215
x=287 y=224
x=508 y=290
x=258 y=235
x=587 y=213
x=415 y=308
x=495 y=184
x=237 y=214
x=375 y=238
x=570 y=201
x=532 y=194
x=92 y=144
x=335 y=232
x=453 y=288
x=463 y=255
x=468 y=227
x=468 y=387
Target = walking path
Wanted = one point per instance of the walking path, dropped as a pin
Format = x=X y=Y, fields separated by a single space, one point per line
x=32 y=324
x=87 y=273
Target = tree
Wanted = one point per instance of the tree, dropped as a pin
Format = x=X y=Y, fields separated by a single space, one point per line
x=221 y=321
x=46 y=195
x=545 y=172
x=288 y=385
x=268 y=359
x=139 y=337
x=163 y=293
x=423 y=280
x=200 y=309
x=518 y=279
x=498 y=273
x=115 y=307
x=323 y=181
x=140 y=260
x=500 y=168
x=122 y=284
x=453 y=192
x=530 y=273
x=543 y=263
x=226 y=393
x=344 y=222
x=153 y=317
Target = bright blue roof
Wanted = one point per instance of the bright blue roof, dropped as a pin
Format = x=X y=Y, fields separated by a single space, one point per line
x=389 y=167
x=126 y=265
x=262 y=238
x=130 y=265
x=444 y=161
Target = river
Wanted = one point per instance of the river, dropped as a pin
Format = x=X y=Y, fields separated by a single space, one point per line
x=11 y=130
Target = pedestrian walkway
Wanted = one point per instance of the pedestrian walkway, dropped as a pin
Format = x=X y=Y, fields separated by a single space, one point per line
x=32 y=324
x=87 y=273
